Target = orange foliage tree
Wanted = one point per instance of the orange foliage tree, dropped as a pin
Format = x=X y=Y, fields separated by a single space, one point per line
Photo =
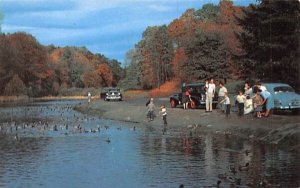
x=104 y=74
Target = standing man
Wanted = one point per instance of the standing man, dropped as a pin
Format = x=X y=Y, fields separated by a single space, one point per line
x=151 y=108
x=89 y=97
x=221 y=96
x=210 y=94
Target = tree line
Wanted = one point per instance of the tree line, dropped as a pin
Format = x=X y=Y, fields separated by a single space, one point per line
x=29 y=68
x=260 y=41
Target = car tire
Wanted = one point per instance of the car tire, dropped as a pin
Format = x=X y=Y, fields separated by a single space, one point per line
x=193 y=104
x=296 y=111
x=173 y=103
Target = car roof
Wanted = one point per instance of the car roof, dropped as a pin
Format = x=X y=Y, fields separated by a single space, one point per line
x=275 y=84
x=195 y=84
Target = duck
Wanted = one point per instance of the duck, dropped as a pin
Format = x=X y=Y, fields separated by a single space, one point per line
x=55 y=128
x=247 y=152
x=232 y=169
x=223 y=176
x=244 y=167
x=108 y=140
x=214 y=186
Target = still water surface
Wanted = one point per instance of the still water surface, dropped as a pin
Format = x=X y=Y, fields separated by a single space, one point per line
x=48 y=144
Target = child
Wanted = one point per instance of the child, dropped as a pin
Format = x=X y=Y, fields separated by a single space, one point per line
x=241 y=100
x=227 y=104
x=151 y=108
x=163 y=112
x=257 y=103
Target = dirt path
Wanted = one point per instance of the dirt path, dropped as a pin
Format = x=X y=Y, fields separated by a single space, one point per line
x=277 y=129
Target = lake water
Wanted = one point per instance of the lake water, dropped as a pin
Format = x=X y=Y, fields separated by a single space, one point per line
x=48 y=144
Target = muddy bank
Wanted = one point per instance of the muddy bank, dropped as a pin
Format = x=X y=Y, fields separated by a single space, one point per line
x=282 y=130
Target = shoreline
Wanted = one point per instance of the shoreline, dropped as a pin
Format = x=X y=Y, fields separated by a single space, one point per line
x=280 y=130
x=25 y=98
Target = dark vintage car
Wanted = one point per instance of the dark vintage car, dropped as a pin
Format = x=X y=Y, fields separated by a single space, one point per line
x=109 y=94
x=197 y=91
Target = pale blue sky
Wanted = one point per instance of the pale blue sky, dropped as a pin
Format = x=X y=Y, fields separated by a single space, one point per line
x=109 y=27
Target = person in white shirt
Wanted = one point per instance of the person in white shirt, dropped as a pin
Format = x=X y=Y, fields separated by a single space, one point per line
x=227 y=104
x=248 y=89
x=163 y=112
x=210 y=94
x=261 y=87
x=221 y=96
x=241 y=100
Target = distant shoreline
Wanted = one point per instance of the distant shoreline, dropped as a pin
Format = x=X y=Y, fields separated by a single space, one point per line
x=25 y=98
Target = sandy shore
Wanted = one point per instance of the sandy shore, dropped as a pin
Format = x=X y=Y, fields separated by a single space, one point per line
x=279 y=129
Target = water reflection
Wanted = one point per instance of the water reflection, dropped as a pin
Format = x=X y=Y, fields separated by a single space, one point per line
x=199 y=161
x=72 y=157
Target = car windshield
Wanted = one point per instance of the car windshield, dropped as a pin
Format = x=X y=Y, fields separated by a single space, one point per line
x=197 y=89
x=283 y=89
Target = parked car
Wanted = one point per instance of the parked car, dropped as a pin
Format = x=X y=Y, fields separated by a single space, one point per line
x=197 y=96
x=112 y=94
x=285 y=97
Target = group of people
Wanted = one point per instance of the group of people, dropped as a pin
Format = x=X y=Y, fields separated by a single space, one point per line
x=261 y=102
x=256 y=99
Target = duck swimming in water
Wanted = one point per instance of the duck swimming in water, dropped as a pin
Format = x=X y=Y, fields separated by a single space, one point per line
x=244 y=168
x=214 y=186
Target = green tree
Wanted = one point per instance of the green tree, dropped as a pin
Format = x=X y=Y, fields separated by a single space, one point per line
x=270 y=39
x=208 y=13
x=132 y=79
x=206 y=57
x=157 y=52
x=118 y=72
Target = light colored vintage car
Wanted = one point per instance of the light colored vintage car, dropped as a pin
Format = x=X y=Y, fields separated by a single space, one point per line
x=285 y=97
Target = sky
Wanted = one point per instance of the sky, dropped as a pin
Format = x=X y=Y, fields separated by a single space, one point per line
x=108 y=27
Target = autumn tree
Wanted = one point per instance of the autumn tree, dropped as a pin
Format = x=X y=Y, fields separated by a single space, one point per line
x=105 y=75
x=15 y=86
x=179 y=60
x=33 y=60
x=10 y=62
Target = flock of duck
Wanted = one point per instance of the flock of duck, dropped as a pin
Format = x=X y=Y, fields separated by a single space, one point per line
x=60 y=121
